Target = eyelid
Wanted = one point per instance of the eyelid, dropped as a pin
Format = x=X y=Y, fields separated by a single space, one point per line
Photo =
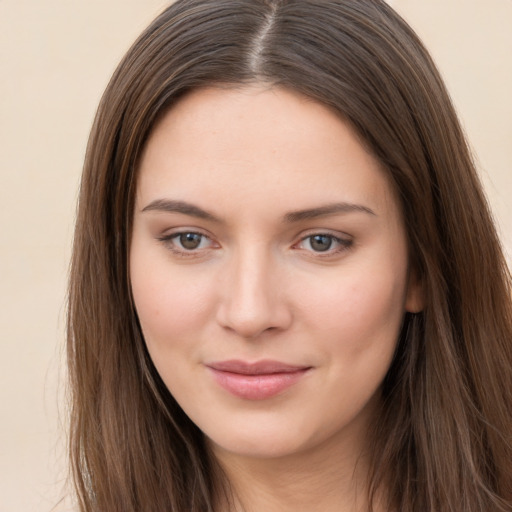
x=168 y=240
x=343 y=241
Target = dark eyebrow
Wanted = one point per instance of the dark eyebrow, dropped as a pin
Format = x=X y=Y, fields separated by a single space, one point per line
x=174 y=206
x=169 y=205
x=323 y=211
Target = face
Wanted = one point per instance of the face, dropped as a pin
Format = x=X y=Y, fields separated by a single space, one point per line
x=269 y=270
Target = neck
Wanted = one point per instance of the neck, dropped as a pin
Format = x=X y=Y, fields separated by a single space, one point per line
x=324 y=479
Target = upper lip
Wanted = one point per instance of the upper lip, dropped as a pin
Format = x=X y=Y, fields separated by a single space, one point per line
x=264 y=367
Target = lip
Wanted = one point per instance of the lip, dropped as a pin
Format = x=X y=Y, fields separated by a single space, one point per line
x=259 y=380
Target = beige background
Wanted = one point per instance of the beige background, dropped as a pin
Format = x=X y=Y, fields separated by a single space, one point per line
x=55 y=59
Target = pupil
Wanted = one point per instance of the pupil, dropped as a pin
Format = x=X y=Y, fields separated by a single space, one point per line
x=321 y=242
x=190 y=240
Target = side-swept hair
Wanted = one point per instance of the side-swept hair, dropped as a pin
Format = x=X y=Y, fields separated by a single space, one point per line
x=443 y=438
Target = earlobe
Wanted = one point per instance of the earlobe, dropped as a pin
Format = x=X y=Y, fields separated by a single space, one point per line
x=415 y=298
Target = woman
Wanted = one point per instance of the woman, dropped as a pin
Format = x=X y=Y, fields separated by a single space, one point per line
x=286 y=292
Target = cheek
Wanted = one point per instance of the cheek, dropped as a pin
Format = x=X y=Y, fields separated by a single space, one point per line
x=362 y=311
x=356 y=327
x=376 y=303
x=170 y=304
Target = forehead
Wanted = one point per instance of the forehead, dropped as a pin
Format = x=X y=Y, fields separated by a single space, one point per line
x=241 y=147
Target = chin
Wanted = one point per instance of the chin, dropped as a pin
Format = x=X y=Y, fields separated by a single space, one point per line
x=266 y=446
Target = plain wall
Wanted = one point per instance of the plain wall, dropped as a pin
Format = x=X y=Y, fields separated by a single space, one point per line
x=56 y=57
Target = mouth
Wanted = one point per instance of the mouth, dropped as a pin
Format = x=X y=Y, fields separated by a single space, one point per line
x=256 y=381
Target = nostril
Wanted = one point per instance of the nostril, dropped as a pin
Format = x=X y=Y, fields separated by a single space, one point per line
x=250 y=322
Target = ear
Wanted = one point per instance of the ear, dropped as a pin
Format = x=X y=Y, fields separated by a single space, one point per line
x=415 y=296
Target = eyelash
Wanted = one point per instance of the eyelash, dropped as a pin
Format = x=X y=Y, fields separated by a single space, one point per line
x=342 y=244
x=170 y=243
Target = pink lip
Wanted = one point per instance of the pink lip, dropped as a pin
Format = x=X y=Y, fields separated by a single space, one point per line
x=256 y=381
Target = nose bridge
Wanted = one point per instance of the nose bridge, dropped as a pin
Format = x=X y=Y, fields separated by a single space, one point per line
x=253 y=299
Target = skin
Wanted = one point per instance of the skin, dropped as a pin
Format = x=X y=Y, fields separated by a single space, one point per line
x=257 y=287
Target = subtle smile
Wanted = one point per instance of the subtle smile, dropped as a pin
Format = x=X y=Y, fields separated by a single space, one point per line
x=256 y=381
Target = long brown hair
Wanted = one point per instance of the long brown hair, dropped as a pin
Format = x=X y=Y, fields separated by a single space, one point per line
x=443 y=438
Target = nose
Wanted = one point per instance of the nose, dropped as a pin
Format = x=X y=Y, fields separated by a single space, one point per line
x=253 y=301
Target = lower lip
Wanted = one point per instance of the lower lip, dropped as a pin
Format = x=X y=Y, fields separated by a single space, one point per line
x=257 y=387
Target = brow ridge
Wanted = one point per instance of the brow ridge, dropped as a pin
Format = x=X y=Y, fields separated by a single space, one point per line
x=175 y=206
x=326 y=210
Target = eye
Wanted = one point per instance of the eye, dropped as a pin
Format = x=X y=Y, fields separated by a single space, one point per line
x=186 y=242
x=190 y=241
x=324 y=243
x=320 y=243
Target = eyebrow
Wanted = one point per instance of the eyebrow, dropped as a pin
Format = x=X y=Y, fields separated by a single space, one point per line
x=174 y=206
x=324 y=211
